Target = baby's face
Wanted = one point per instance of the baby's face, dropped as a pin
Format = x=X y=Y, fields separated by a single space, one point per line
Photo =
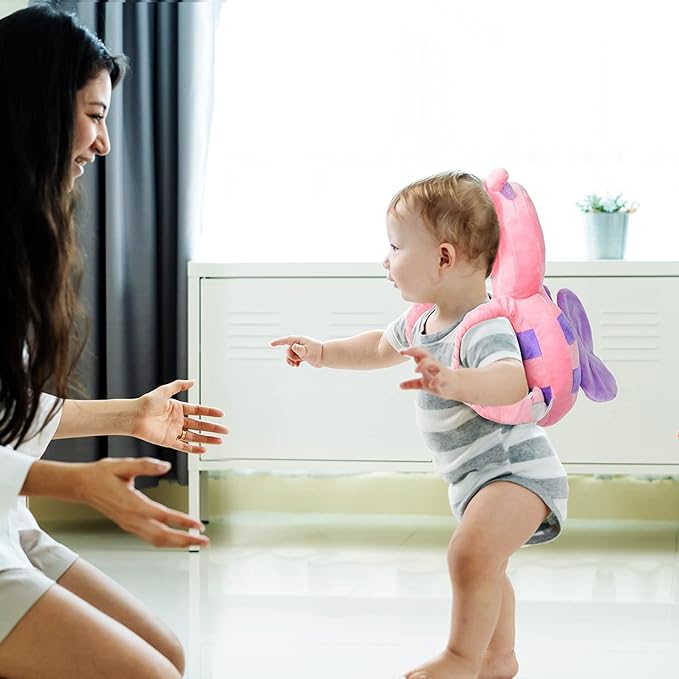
x=412 y=262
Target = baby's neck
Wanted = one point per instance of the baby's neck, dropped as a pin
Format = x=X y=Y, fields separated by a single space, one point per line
x=457 y=298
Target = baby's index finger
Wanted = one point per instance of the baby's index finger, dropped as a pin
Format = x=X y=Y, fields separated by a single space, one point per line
x=283 y=341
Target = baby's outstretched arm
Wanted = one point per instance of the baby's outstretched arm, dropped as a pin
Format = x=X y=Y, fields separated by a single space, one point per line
x=367 y=351
x=500 y=383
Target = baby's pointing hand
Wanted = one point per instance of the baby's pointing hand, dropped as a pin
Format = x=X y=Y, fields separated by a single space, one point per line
x=301 y=349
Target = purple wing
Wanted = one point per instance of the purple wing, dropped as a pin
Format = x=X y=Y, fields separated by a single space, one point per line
x=597 y=380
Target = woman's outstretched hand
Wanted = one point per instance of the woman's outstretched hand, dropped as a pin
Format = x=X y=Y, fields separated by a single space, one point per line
x=108 y=486
x=162 y=420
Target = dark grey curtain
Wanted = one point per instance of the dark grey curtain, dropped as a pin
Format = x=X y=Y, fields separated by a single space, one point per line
x=141 y=207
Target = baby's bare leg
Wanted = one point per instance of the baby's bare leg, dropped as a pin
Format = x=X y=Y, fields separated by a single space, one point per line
x=499 y=661
x=499 y=520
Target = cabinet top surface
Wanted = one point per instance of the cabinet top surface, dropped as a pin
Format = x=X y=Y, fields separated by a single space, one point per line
x=374 y=270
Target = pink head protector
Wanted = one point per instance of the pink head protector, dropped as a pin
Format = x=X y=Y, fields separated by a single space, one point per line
x=555 y=338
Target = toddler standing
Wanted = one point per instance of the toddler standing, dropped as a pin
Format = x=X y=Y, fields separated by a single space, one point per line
x=507 y=486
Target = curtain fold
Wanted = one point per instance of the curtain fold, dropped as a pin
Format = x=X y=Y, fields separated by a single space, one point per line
x=141 y=212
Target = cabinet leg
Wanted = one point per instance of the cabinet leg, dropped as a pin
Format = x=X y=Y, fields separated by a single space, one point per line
x=204 y=513
x=194 y=650
x=194 y=500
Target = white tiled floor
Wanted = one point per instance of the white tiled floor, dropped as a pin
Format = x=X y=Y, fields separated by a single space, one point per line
x=358 y=597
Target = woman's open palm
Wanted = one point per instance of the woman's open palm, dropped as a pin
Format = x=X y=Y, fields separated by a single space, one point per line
x=164 y=421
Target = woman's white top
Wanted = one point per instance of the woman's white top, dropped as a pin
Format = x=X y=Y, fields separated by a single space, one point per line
x=15 y=461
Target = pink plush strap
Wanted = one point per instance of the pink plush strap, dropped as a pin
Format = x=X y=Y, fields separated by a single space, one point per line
x=532 y=408
x=500 y=306
x=415 y=312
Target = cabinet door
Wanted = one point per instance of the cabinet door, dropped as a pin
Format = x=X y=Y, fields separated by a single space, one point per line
x=635 y=326
x=281 y=413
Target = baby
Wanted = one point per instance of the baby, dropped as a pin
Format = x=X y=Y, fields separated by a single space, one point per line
x=507 y=486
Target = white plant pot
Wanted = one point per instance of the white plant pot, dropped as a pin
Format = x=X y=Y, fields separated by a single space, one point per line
x=606 y=234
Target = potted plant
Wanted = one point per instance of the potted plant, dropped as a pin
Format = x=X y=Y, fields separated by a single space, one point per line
x=606 y=220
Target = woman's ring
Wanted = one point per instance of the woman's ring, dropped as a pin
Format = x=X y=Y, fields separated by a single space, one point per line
x=182 y=436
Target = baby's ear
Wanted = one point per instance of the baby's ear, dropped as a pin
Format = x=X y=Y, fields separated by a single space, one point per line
x=447 y=255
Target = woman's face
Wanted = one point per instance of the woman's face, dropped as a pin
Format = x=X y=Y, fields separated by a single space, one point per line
x=90 y=136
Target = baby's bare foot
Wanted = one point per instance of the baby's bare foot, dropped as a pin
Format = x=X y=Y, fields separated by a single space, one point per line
x=499 y=666
x=447 y=666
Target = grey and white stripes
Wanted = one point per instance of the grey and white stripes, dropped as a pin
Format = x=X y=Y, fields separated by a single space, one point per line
x=470 y=451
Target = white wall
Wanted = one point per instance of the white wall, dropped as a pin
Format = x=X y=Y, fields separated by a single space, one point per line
x=324 y=110
x=9 y=6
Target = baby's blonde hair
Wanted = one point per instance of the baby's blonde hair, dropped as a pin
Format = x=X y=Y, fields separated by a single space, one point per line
x=456 y=208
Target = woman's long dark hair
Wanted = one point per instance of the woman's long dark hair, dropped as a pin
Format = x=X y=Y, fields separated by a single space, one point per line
x=45 y=58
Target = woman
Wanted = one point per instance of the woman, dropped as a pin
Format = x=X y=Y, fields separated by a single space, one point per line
x=60 y=616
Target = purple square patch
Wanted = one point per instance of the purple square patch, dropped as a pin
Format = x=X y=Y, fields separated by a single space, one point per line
x=566 y=328
x=529 y=345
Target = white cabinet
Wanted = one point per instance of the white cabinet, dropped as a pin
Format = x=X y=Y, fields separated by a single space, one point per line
x=635 y=326
x=331 y=420
x=280 y=413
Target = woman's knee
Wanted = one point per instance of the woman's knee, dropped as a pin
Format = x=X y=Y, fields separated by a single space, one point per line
x=90 y=584
x=77 y=640
x=174 y=652
x=168 y=672
x=160 y=669
x=168 y=661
